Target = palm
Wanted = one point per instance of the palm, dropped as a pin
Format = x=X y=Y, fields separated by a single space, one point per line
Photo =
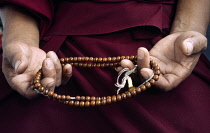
x=175 y=65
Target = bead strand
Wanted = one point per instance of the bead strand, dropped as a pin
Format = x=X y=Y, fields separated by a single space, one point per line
x=87 y=101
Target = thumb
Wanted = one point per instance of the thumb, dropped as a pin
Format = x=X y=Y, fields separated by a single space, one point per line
x=17 y=56
x=192 y=43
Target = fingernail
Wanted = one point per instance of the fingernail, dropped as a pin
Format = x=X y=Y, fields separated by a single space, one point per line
x=145 y=74
x=68 y=71
x=189 y=47
x=49 y=64
x=17 y=64
x=53 y=56
x=140 y=54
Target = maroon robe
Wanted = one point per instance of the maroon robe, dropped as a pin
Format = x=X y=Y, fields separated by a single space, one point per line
x=106 y=28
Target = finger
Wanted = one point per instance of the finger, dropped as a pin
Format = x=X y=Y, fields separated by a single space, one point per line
x=118 y=69
x=191 y=43
x=143 y=58
x=17 y=56
x=49 y=73
x=146 y=73
x=125 y=63
x=67 y=73
x=52 y=55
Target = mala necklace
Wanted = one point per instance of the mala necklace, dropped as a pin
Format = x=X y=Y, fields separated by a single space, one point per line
x=98 y=62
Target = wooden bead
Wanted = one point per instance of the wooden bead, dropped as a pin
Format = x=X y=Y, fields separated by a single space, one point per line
x=122 y=57
x=76 y=103
x=109 y=59
x=87 y=59
x=79 y=59
x=109 y=100
x=66 y=102
x=100 y=59
x=78 y=98
x=68 y=98
x=104 y=59
x=147 y=84
x=84 y=64
x=132 y=57
x=98 y=65
x=41 y=89
x=91 y=59
x=62 y=60
x=89 y=65
x=138 y=90
x=75 y=59
x=123 y=95
x=133 y=92
x=71 y=102
x=82 y=98
x=127 y=57
x=157 y=72
x=156 y=77
x=55 y=96
x=119 y=97
x=114 y=59
x=143 y=87
x=114 y=98
x=107 y=65
x=98 y=102
x=103 y=98
x=63 y=97
x=76 y=64
x=37 y=85
x=128 y=94
x=152 y=81
x=103 y=102
x=58 y=97
x=93 y=103
x=87 y=98
x=152 y=62
x=87 y=104
x=50 y=93
x=46 y=91
x=66 y=60
x=82 y=59
x=131 y=88
x=111 y=64
x=157 y=68
x=71 y=59
x=82 y=104
x=118 y=58
x=95 y=59
x=102 y=65
x=98 y=98
x=92 y=98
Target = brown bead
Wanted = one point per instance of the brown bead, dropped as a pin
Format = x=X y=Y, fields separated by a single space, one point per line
x=93 y=103
x=71 y=102
x=131 y=88
x=114 y=59
x=62 y=60
x=128 y=94
x=87 y=104
x=79 y=59
x=103 y=98
x=118 y=58
x=107 y=65
x=138 y=90
x=89 y=65
x=98 y=102
x=98 y=98
x=75 y=59
x=111 y=64
x=71 y=59
x=100 y=59
x=157 y=72
x=82 y=104
x=109 y=59
x=50 y=93
x=66 y=60
x=123 y=95
x=156 y=77
x=58 y=97
x=91 y=59
x=114 y=98
x=41 y=89
x=103 y=102
x=80 y=64
x=95 y=59
x=154 y=65
x=84 y=64
x=109 y=100
x=82 y=59
x=55 y=95
x=122 y=57
x=93 y=98
x=62 y=65
x=98 y=65
x=37 y=85
x=63 y=97
x=152 y=81
x=76 y=64
x=36 y=81
x=147 y=84
x=157 y=68
x=104 y=59
x=87 y=59
x=127 y=57
x=152 y=62
x=66 y=102
x=82 y=98
x=68 y=98
x=102 y=64
x=94 y=65
x=143 y=87
x=77 y=97
x=132 y=57
x=116 y=63
x=87 y=98
x=133 y=92
x=119 y=98
x=76 y=103
x=46 y=91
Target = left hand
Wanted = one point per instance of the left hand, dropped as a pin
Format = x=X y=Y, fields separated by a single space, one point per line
x=176 y=54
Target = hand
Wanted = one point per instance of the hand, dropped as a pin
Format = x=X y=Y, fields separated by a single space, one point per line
x=177 y=54
x=21 y=62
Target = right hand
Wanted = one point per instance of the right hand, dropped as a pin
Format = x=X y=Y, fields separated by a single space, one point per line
x=21 y=63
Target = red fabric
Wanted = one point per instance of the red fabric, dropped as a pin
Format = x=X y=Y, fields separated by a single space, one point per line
x=184 y=109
